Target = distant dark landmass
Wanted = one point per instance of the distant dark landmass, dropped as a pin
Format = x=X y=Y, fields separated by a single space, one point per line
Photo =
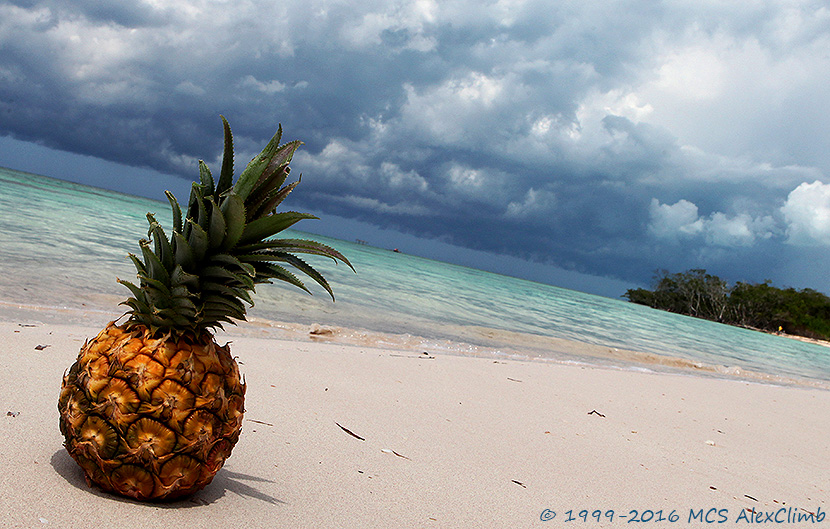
x=758 y=306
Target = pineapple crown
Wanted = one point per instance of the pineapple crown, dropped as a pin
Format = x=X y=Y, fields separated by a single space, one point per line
x=198 y=278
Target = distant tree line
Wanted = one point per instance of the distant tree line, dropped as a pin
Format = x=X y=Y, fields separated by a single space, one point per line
x=761 y=306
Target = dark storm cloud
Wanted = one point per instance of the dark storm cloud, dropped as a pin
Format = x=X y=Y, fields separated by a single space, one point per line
x=609 y=138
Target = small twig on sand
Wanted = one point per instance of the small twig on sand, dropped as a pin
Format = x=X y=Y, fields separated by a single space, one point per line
x=260 y=422
x=349 y=431
x=389 y=451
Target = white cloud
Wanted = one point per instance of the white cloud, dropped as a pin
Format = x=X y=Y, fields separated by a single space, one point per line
x=739 y=230
x=694 y=73
x=462 y=110
x=537 y=203
x=731 y=90
x=466 y=177
x=338 y=160
x=465 y=184
x=397 y=178
x=807 y=213
x=681 y=220
x=673 y=221
x=403 y=24
x=269 y=87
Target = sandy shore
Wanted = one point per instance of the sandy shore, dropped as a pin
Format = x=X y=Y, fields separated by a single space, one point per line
x=447 y=441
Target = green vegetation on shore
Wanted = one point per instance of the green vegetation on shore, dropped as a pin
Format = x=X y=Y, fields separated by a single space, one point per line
x=761 y=306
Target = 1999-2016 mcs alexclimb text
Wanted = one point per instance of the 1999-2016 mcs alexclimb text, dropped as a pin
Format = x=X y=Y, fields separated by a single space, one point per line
x=712 y=515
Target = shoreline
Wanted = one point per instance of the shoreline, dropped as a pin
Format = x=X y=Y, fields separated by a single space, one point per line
x=797 y=337
x=447 y=441
x=536 y=348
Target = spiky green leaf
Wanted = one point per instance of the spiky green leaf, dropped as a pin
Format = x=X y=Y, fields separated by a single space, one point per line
x=263 y=193
x=253 y=172
x=212 y=317
x=226 y=176
x=183 y=252
x=216 y=298
x=230 y=261
x=139 y=266
x=136 y=291
x=218 y=272
x=233 y=210
x=206 y=179
x=266 y=271
x=162 y=245
x=155 y=284
x=273 y=224
x=295 y=246
x=139 y=307
x=270 y=205
x=175 y=317
x=277 y=169
x=181 y=278
x=155 y=268
x=196 y=198
x=203 y=218
x=305 y=268
x=216 y=227
x=217 y=306
x=177 y=211
x=198 y=241
x=236 y=292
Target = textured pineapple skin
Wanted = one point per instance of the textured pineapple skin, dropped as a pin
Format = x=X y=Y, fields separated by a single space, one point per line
x=151 y=418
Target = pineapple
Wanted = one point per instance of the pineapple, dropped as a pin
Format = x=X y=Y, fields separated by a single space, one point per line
x=152 y=408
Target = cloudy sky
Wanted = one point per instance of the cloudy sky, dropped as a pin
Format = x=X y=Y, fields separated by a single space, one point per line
x=593 y=138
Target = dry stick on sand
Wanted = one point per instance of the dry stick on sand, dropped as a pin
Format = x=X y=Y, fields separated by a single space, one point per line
x=349 y=431
x=390 y=451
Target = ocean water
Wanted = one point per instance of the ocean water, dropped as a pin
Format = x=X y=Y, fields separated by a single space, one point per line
x=63 y=244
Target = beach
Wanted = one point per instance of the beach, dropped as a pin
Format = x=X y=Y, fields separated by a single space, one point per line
x=343 y=435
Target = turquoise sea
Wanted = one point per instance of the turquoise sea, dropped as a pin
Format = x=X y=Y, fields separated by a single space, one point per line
x=63 y=244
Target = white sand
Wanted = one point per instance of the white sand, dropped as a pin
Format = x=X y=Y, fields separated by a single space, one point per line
x=450 y=441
